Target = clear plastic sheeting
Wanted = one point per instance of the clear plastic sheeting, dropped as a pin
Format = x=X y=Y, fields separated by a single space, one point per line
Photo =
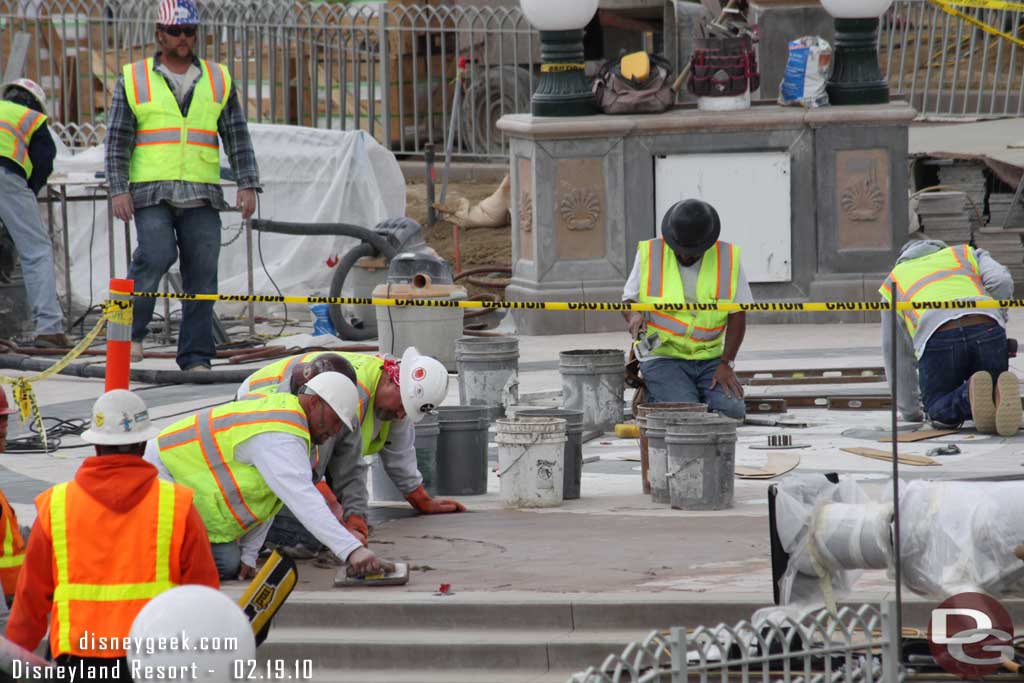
x=308 y=176
x=831 y=533
x=960 y=537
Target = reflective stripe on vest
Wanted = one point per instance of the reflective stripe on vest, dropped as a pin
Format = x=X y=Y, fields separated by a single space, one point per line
x=690 y=335
x=169 y=145
x=65 y=592
x=17 y=126
x=10 y=558
x=963 y=266
x=271 y=378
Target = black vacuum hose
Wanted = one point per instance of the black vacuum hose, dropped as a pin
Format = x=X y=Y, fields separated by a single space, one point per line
x=380 y=243
x=342 y=326
x=10 y=361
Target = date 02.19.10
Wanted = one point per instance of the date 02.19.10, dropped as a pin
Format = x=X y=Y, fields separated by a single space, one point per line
x=273 y=670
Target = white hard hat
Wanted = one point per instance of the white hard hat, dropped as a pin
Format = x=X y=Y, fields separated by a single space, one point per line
x=340 y=394
x=119 y=417
x=423 y=383
x=29 y=85
x=218 y=631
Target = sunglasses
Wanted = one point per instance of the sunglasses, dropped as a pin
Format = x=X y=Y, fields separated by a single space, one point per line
x=176 y=31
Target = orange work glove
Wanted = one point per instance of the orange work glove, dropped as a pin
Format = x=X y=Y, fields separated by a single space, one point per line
x=422 y=501
x=357 y=526
x=332 y=501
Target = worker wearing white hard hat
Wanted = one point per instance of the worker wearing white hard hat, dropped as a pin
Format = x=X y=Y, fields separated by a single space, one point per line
x=396 y=395
x=27 y=151
x=248 y=458
x=104 y=544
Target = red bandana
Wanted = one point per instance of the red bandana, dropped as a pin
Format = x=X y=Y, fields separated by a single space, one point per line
x=391 y=367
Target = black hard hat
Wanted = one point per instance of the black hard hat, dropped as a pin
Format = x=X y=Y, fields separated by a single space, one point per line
x=691 y=227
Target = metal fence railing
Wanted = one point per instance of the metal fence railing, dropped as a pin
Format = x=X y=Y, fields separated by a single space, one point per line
x=946 y=66
x=849 y=646
x=388 y=70
x=391 y=70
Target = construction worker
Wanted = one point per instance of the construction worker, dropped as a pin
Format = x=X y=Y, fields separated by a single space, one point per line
x=394 y=396
x=245 y=459
x=26 y=161
x=12 y=543
x=163 y=167
x=104 y=544
x=959 y=356
x=689 y=357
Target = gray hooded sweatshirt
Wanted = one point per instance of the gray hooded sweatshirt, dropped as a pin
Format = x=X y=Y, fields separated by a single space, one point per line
x=998 y=283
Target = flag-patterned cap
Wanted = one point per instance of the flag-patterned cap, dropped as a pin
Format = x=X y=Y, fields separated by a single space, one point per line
x=177 y=13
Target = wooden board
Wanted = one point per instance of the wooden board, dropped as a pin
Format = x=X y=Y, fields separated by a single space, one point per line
x=905 y=459
x=910 y=437
x=777 y=465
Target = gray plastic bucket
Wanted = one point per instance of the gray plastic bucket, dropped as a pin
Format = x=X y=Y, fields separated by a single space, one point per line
x=462 y=451
x=654 y=429
x=594 y=382
x=427 y=431
x=573 y=445
x=641 y=412
x=488 y=372
x=700 y=472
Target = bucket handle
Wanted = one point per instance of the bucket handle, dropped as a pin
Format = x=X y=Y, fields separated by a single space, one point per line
x=514 y=462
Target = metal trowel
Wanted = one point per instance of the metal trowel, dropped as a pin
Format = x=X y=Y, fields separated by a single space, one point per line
x=391 y=574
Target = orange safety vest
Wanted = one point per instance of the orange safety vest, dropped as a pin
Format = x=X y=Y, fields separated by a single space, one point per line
x=12 y=547
x=109 y=564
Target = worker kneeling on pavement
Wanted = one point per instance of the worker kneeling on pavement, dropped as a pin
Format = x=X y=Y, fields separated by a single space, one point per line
x=690 y=355
x=960 y=356
x=394 y=396
x=104 y=544
x=246 y=459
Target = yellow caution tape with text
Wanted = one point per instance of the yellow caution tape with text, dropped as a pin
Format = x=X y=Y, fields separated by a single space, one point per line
x=25 y=398
x=590 y=306
x=950 y=7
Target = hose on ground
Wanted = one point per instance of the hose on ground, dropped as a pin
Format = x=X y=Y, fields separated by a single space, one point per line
x=25 y=364
x=344 y=328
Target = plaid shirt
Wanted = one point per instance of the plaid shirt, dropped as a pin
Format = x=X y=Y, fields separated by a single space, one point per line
x=231 y=125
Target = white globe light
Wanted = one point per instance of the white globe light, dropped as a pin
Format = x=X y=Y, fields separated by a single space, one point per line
x=208 y=623
x=856 y=9
x=559 y=15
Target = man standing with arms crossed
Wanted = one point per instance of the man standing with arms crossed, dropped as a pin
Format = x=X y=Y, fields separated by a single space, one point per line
x=163 y=165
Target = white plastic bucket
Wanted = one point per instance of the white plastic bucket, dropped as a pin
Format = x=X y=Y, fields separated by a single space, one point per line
x=531 y=466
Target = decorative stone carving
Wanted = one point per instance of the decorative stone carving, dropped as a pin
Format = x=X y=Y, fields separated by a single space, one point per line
x=863 y=198
x=580 y=209
x=525 y=212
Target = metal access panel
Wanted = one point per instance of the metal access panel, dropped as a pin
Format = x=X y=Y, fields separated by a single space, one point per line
x=751 y=193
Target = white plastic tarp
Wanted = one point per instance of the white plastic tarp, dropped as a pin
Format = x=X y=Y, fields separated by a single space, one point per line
x=308 y=175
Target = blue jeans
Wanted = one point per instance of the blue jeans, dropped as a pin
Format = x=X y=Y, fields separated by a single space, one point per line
x=674 y=380
x=228 y=558
x=19 y=211
x=949 y=360
x=164 y=233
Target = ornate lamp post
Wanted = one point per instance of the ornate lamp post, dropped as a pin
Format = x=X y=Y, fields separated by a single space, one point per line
x=856 y=76
x=563 y=89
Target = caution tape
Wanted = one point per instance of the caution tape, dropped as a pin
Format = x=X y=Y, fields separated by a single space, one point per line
x=950 y=7
x=561 y=68
x=591 y=306
x=24 y=396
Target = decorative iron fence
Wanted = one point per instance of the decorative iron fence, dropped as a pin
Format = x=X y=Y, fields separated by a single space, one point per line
x=388 y=70
x=946 y=66
x=392 y=70
x=850 y=646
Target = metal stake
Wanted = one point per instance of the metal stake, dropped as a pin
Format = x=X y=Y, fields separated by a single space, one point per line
x=248 y=252
x=894 y=347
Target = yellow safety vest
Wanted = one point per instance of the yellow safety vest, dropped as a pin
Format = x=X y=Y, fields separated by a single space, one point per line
x=945 y=275
x=274 y=378
x=199 y=451
x=169 y=146
x=688 y=335
x=17 y=126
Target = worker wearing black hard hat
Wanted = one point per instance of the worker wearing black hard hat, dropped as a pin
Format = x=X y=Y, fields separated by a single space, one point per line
x=689 y=357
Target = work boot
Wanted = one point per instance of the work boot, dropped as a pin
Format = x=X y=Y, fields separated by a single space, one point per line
x=1008 y=407
x=52 y=341
x=198 y=368
x=983 y=408
x=137 y=354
